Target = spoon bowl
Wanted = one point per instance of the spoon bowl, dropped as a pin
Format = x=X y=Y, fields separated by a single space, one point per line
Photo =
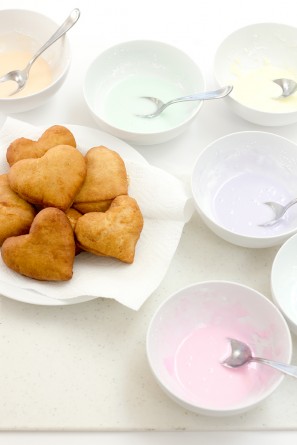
x=241 y=354
x=21 y=76
x=288 y=86
x=206 y=95
x=279 y=211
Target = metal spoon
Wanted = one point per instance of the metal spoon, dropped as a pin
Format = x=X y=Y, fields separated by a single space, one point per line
x=279 y=211
x=21 y=76
x=206 y=95
x=241 y=354
x=288 y=86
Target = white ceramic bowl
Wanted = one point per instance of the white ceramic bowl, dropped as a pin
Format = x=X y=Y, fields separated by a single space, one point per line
x=284 y=281
x=261 y=51
x=186 y=342
x=233 y=177
x=118 y=78
x=23 y=30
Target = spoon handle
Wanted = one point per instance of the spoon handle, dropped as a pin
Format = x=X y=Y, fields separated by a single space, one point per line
x=283 y=367
x=290 y=204
x=69 y=22
x=205 y=95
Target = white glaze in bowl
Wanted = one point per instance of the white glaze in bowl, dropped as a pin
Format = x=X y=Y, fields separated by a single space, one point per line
x=252 y=48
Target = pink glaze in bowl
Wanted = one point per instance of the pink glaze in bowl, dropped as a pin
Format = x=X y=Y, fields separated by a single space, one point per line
x=187 y=340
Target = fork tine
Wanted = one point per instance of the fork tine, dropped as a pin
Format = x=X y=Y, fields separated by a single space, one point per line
x=155 y=100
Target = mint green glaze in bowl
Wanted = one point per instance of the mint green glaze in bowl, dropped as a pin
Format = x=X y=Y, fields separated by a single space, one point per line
x=118 y=78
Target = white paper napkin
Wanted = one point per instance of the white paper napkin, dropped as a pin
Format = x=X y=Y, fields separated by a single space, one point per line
x=166 y=206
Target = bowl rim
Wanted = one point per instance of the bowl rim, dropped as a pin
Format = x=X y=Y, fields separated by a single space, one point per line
x=10 y=100
x=237 y=408
x=279 y=236
x=141 y=133
x=233 y=35
x=275 y=296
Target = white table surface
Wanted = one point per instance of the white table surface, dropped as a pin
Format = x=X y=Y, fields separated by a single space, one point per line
x=70 y=335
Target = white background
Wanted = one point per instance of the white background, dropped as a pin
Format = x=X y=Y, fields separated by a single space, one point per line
x=197 y=27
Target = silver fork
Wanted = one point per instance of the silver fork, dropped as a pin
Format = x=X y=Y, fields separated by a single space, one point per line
x=21 y=76
x=206 y=95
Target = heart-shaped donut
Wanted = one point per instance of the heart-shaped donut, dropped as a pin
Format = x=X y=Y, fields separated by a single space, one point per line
x=24 y=148
x=16 y=215
x=106 y=178
x=47 y=252
x=113 y=233
x=52 y=180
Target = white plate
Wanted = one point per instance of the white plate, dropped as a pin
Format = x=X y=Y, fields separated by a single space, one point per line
x=85 y=138
x=284 y=281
